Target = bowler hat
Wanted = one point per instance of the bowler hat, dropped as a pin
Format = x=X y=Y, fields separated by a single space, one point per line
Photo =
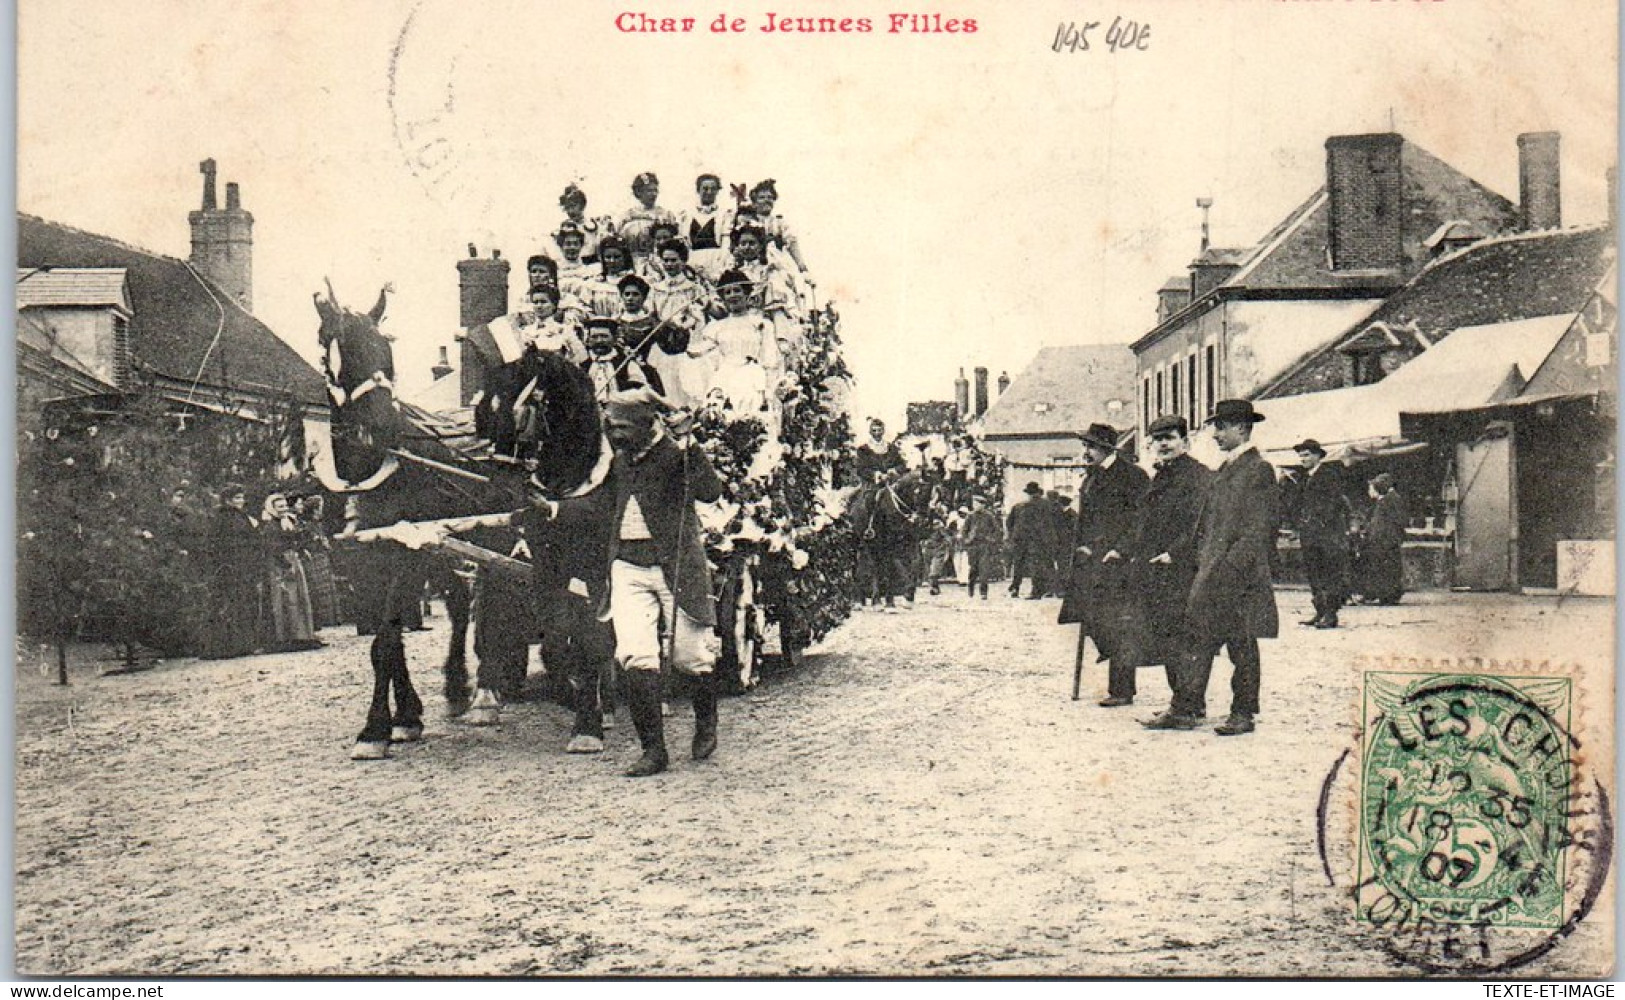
x=1168 y=422
x=1310 y=444
x=1234 y=411
x=1101 y=436
x=1033 y=489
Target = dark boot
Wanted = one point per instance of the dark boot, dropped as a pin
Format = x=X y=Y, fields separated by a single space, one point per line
x=643 y=701
x=705 y=716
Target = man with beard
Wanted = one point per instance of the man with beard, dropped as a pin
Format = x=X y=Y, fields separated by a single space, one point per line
x=659 y=585
x=1099 y=596
x=1167 y=563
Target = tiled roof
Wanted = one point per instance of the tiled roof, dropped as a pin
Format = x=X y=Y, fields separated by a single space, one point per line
x=176 y=314
x=71 y=286
x=1502 y=279
x=1065 y=389
x=1497 y=280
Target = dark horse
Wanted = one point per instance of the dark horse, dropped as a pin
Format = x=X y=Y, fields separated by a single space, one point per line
x=397 y=464
x=884 y=518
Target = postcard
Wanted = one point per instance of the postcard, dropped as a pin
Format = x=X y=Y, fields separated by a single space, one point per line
x=713 y=488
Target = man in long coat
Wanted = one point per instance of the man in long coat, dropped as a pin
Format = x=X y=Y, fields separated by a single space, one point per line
x=659 y=586
x=1320 y=511
x=1030 y=525
x=1232 y=599
x=1100 y=594
x=1166 y=566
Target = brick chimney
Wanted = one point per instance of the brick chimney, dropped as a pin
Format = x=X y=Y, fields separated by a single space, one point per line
x=1540 y=189
x=981 y=391
x=1364 y=181
x=483 y=296
x=441 y=368
x=223 y=240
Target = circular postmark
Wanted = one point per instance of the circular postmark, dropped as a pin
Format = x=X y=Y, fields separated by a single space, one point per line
x=1481 y=842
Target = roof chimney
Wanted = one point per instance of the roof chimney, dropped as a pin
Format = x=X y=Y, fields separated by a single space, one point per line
x=962 y=395
x=1540 y=189
x=223 y=240
x=981 y=391
x=207 y=169
x=1363 y=180
x=483 y=296
x=1004 y=382
x=441 y=368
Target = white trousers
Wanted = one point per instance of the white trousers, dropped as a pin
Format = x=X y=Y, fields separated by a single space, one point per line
x=642 y=608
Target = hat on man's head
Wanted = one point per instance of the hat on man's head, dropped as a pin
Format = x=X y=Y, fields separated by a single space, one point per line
x=1033 y=489
x=1101 y=436
x=922 y=445
x=1168 y=422
x=603 y=323
x=1234 y=411
x=734 y=276
x=1310 y=444
x=641 y=405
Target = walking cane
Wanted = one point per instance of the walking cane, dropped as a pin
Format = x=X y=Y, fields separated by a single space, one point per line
x=1077 y=666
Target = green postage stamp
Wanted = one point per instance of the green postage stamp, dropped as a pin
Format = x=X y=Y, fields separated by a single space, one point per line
x=1466 y=794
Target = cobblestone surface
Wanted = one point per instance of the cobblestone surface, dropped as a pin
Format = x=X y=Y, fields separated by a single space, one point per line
x=921 y=798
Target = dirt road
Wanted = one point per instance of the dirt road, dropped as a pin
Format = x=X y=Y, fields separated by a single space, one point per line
x=921 y=798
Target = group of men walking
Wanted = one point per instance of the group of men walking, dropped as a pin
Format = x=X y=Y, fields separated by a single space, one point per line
x=1171 y=568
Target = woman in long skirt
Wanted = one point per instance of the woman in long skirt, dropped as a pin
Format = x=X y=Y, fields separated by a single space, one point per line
x=1382 y=559
x=289 y=622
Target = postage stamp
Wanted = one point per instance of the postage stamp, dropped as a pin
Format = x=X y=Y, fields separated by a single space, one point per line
x=1482 y=839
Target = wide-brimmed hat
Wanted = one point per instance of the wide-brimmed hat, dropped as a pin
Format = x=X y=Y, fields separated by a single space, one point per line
x=1100 y=435
x=1310 y=444
x=1168 y=422
x=1033 y=489
x=1234 y=411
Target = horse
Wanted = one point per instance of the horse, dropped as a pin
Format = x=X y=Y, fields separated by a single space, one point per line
x=397 y=463
x=884 y=516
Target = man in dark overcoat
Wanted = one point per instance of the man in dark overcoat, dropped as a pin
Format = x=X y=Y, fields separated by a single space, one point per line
x=1166 y=564
x=1063 y=524
x=1100 y=592
x=1028 y=528
x=1232 y=599
x=1320 y=512
x=659 y=585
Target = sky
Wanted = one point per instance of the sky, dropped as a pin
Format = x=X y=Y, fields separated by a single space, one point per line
x=963 y=198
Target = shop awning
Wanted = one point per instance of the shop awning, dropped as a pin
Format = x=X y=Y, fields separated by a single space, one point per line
x=1474 y=367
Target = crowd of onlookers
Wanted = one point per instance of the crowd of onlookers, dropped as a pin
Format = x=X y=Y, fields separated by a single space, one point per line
x=270 y=579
